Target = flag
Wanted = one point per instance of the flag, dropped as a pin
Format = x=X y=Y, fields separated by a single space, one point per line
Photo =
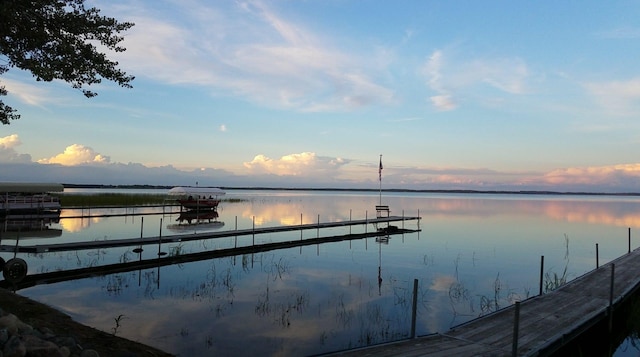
x=380 y=169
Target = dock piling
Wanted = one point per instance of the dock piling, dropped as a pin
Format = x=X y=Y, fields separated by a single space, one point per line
x=541 y=272
x=414 y=308
x=516 y=328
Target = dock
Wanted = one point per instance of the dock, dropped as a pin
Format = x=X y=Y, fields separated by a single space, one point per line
x=538 y=326
x=112 y=243
x=157 y=262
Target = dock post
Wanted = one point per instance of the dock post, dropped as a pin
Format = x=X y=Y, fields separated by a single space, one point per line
x=402 y=219
x=318 y=229
x=253 y=230
x=414 y=308
x=613 y=269
x=366 y=220
x=516 y=327
x=349 y=221
x=541 y=272
x=597 y=257
x=160 y=252
x=141 y=226
x=300 y=226
x=629 y=240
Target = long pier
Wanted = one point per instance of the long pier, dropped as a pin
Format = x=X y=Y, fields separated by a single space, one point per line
x=112 y=243
x=80 y=273
x=538 y=326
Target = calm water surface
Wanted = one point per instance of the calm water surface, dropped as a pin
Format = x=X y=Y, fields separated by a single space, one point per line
x=473 y=255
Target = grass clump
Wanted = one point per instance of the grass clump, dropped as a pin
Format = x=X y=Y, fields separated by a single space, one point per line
x=110 y=199
x=113 y=199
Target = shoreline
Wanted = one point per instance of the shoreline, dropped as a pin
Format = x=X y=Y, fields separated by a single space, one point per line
x=42 y=316
x=456 y=191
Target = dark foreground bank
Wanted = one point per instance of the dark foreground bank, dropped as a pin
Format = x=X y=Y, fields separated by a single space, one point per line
x=30 y=323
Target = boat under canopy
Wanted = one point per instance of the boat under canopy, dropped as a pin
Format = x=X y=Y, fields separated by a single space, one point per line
x=29 y=197
x=197 y=198
x=195 y=191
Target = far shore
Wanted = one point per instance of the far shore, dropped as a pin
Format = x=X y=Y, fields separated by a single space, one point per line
x=493 y=192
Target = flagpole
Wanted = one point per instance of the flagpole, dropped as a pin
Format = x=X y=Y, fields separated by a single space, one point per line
x=380 y=178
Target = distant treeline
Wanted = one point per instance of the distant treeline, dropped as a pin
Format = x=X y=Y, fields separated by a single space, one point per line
x=259 y=188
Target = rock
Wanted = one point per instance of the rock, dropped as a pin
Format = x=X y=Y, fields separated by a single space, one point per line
x=13 y=324
x=4 y=336
x=37 y=347
x=14 y=347
x=89 y=353
x=64 y=351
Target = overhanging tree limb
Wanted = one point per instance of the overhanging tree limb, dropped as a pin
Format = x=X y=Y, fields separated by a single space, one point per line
x=57 y=39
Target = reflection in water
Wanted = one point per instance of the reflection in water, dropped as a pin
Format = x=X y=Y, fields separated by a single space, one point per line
x=24 y=225
x=475 y=254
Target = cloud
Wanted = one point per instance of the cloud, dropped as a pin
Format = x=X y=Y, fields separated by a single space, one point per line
x=304 y=164
x=32 y=94
x=620 y=33
x=618 y=97
x=612 y=176
x=8 y=152
x=249 y=50
x=449 y=77
x=77 y=154
x=443 y=102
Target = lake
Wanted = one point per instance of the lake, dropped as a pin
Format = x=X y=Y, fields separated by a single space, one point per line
x=473 y=254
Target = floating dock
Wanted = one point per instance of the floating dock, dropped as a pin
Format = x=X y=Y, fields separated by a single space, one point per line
x=157 y=262
x=112 y=243
x=538 y=326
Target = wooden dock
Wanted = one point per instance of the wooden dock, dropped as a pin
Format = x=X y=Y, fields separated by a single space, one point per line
x=545 y=322
x=112 y=243
x=157 y=262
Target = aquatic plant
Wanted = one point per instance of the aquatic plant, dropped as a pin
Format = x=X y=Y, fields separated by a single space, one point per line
x=117 y=319
x=553 y=280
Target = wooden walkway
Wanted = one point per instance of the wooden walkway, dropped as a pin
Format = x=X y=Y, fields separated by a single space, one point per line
x=157 y=262
x=128 y=242
x=546 y=322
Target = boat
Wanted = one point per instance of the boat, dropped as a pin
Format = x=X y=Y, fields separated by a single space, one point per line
x=197 y=198
x=197 y=220
x=29 y=197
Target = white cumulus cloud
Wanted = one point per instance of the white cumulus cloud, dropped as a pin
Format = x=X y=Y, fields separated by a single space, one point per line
x=302 y=164
x=77 y=154
x=8 y=152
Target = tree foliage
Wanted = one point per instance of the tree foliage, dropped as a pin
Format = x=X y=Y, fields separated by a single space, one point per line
x=58 y=39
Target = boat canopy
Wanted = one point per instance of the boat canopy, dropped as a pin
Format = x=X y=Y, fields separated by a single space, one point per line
x=195 y=191
x=30 y=187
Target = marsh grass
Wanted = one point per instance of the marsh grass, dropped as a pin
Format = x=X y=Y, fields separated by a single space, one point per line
x=119 y=200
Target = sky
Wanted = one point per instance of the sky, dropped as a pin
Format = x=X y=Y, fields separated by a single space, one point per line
x=480 y=95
